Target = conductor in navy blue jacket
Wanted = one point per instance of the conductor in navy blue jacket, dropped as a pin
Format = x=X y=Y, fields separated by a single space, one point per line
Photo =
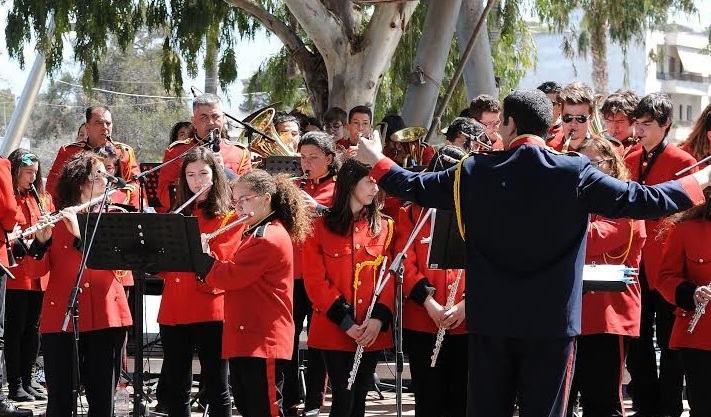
x=525 y=257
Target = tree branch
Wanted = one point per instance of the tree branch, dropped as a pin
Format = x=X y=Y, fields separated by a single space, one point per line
x=285 y=34
x=384 y=32
x=322 y=27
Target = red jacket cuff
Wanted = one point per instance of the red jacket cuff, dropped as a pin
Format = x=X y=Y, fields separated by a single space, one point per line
x=693 y=190
x=382 y=167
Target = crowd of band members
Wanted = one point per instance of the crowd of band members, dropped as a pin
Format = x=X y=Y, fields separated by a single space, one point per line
x=245 y=310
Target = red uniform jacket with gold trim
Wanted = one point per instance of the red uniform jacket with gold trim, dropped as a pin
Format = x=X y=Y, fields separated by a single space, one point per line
x=259 y=283
x=617 y=242
x=670 y=161
x=685 y=266
x=235 y=157
x=417 y=274
x=28 y=215
x=127 y=162
x=185 y=300
x=8 y=205
x=102 y=300
x=343 y=270
x=322 y=192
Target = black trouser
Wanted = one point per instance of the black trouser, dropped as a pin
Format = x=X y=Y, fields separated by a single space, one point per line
x=599 y=366
x=538 y=370
x=349 y=403
x=99 y=367
x=3 y=277
x=179 y=343
x=22 y=313
x=315 y=377
x=440 y=391
x=697 y=366
x=257 y=385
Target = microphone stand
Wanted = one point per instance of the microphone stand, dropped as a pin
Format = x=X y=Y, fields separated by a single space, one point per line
x=72 y=312
x=397 y=269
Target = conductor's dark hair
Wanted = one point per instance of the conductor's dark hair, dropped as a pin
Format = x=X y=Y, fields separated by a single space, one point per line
x=76 y=173
x=21 y=157
x=90 y=110
x=658 y=106
x=323 y=141
x=447 y=157
x=550 y=87
x=530 y=110
x=395 y=123
x=464 y=125
x=219 y=198
x=361 y=110
x=286 y=201
x=339 y=218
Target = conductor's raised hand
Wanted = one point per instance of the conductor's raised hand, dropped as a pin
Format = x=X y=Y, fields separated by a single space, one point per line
x=370 y=150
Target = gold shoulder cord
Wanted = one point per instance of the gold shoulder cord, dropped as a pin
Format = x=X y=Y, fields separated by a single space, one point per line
x=624 y=254
x=375 y=263
x=458 y=197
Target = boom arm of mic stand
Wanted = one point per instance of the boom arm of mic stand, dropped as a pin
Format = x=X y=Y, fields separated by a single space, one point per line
x=396 y=265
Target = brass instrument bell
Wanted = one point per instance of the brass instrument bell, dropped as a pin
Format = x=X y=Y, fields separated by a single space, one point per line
x=411 y=138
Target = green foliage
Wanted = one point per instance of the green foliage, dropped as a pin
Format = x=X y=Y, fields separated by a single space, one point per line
x=187 y=26
x=513 y=51
x=275 y=81
x=7 y=106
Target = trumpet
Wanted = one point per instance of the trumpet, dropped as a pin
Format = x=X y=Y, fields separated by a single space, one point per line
x=56 y=218
x=193 y=198
x=207 y=237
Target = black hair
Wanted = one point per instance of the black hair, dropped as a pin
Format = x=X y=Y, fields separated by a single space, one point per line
x=550 y=87
x=90 y=110
x=339 y=218
x=466 y=126
x=75 y=173
x=176 y=129
x=20 y=158
x=530 y=110
x=621 y=101
x=484 y=103
x=658 y=106
x=447 y=156
x=323 y=141
x=335 y=114
x=395 y=123
x=466 y=113
x=360 y=109
x=310 y=121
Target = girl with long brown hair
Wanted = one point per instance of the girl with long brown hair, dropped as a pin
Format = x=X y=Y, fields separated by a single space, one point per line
x=698 y=143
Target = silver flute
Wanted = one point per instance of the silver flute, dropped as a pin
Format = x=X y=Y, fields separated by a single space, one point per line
x=440 y=333
x=359 y=350
x=700 y=310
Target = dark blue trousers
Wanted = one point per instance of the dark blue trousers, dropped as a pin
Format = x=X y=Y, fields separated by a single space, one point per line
x=537 y=371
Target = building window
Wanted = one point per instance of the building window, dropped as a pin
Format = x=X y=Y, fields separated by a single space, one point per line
x=672 y=65
x=688 y=113
x=681 y=112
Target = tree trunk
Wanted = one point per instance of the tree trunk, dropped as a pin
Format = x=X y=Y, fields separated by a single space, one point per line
x=597 y=26
x=430 y=60
x=479 y=70
x=211 y=65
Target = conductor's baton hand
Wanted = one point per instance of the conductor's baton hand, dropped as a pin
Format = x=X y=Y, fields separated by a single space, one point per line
x=370 y=150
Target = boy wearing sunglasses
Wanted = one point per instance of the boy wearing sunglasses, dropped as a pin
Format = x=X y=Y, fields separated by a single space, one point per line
x=576 y=101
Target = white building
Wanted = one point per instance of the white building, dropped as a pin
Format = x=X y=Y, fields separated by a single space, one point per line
x=676 y=63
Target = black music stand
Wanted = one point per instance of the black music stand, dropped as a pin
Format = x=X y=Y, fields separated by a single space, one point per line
x=145 y=242
x=279 y=164
x=447 y=249
x=151 y=184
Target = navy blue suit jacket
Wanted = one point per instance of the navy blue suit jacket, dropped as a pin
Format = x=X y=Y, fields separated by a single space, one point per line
x=526 y=214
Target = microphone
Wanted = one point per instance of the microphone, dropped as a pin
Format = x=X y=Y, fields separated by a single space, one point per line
x=215 y=140
x=115 y=181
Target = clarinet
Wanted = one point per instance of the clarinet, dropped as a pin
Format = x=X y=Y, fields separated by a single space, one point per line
x=440 y=333
x=359 y=350
x=700 y=310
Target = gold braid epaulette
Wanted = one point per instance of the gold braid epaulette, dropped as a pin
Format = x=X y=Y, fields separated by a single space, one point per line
x=458 y=196
x=375 y=263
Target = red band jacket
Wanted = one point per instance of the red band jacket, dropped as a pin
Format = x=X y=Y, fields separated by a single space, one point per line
x=258 y=281
x=321 y=191
x=234 y=156
x=128 y=162
x=418 y=276
x=185 y=300
x=28 y=215
x=616 y=242
x=340 y=274
x=687 y=265
x=667 y=163
x=102 y=300
x=8 y=205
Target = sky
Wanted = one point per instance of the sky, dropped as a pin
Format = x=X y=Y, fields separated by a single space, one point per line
x=13 y=77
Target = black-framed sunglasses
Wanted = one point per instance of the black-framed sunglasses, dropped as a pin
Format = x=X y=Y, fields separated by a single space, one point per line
x=580 y=118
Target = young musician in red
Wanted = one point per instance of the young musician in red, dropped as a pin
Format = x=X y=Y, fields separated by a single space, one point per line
x=442 y=390
x=653 y=162
x=23 y=300
x=617 y=111
x=191 y=313
x=684 y=280
x=320 y=165
x=258 y=282
x=104 y=315
x=609 y=319
x=127 y=195
x=342 y=259
x=698 y=143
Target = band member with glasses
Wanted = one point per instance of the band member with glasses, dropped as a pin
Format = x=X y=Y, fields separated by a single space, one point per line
x=609 y=319
x=486 y=110
x=465 y=133
x=342 y=259
x=576 y=101
x=23 y=300
x=191 y=312
x=258 y=281
x=335 y=120
x=104 y=314
x=685 y=281
x=655 y=161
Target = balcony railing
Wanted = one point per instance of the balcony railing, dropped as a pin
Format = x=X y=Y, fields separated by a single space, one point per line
x=683 y=76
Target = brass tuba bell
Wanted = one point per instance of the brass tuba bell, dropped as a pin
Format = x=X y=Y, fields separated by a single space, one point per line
x=259 y=144
x=411 y=140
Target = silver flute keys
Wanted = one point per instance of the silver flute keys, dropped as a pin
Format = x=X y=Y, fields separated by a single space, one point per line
x=700 y=310
x=359 y=350
x=440 y=333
